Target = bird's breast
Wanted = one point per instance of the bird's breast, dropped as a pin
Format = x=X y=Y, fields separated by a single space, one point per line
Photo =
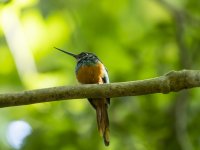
x=90 y=74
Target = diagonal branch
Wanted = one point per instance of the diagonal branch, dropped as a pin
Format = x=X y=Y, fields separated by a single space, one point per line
x=171 y=82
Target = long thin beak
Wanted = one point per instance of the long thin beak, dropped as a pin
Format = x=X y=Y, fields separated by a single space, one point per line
x=71 y=54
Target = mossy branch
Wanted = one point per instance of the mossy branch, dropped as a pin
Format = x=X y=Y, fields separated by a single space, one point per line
x=171 y=82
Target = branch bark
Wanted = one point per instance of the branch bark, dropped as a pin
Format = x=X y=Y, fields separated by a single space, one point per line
x=171 y=82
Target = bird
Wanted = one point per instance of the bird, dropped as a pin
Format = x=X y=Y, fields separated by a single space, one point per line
x=90 y=70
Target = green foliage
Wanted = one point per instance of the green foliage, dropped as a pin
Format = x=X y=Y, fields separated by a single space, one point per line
x=135 y=39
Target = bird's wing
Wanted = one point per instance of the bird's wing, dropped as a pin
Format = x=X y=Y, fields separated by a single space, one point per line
x=105 y=79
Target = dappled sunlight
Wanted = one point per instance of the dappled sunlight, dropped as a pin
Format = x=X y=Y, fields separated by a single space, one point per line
x=31 y=34
x=17 y=43
x=136 y=39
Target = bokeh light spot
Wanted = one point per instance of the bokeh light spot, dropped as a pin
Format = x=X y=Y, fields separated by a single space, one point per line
x=17 y=131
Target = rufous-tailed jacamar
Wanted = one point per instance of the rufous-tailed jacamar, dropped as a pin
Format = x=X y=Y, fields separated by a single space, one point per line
x=90 y=70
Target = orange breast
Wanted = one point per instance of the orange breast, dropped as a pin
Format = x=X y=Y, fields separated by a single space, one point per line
x=91 y=74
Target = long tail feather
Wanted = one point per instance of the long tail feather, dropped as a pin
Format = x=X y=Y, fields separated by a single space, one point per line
x=103 y=122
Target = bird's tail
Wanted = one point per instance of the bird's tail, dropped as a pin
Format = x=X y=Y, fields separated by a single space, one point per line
x=103 y=122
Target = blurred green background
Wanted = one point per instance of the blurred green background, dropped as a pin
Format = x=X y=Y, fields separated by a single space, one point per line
x=135 y=39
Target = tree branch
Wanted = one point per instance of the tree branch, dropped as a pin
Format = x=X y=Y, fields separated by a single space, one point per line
x=171 y=82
